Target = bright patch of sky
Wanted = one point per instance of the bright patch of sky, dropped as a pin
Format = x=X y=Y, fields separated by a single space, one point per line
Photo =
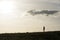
x=13 y=15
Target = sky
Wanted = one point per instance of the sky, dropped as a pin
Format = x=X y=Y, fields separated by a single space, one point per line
x=14 y=16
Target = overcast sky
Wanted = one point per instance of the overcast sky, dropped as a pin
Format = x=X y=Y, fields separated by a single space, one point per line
x=14 y=16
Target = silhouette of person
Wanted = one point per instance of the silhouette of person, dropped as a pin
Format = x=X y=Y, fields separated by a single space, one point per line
x=43 y=28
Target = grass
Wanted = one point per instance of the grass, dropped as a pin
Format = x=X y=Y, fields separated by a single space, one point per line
x=53 y=35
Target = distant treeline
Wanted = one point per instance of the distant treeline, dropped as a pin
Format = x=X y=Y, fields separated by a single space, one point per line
x=31 y=36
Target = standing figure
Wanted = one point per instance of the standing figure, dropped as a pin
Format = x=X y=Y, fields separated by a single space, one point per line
x=43 y=28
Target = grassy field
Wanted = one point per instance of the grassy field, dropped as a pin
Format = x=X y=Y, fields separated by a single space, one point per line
x=53 y=35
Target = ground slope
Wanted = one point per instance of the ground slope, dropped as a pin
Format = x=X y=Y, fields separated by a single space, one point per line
x=54 y=35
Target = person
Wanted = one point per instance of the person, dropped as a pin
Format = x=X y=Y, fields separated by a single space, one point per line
x=43 y=28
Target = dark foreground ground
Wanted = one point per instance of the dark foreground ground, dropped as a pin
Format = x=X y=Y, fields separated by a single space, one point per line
x=54 y=35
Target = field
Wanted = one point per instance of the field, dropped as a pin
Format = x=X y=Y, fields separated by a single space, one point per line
x=53 y=35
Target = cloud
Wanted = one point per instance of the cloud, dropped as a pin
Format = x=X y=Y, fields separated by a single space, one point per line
x=47 y=12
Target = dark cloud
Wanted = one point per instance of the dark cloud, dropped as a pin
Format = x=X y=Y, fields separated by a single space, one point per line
x=47 y=12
